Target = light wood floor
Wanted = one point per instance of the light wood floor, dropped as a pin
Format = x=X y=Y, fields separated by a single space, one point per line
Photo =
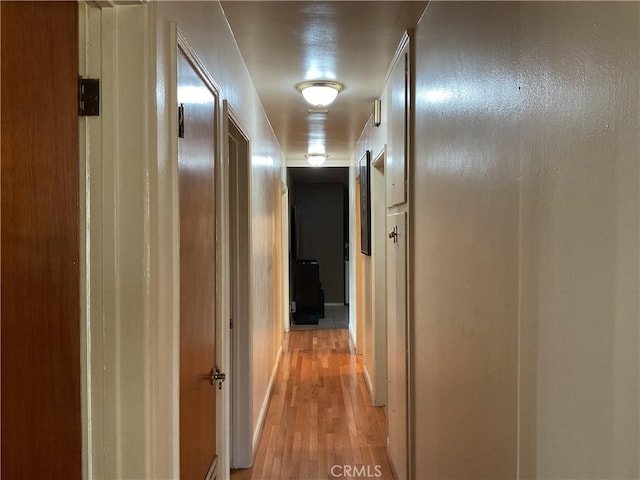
x=320 y=415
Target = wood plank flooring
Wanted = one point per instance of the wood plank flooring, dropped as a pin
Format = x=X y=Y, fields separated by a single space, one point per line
x=320 y=423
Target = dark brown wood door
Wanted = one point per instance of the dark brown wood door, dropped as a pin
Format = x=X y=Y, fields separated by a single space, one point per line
x=39 y=242
x=196 y=164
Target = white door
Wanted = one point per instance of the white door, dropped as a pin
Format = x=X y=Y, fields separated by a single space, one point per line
x=398 y=111
x=397 y=343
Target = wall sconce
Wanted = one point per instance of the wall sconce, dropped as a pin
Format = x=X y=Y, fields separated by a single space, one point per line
x=319 y=93
x=377 y=112
x=316 y=159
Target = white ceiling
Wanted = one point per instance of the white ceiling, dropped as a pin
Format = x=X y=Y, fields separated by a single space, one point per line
x=286 y=42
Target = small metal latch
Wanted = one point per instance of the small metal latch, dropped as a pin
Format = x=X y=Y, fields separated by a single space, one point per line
x=219 y=377
x=215 y=375
x=394 y=234
x=181 y=120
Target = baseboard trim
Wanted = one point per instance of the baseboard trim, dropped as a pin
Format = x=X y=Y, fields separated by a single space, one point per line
x=352 y=342
x=212 y=474
x=367 y=380
x=265 y=404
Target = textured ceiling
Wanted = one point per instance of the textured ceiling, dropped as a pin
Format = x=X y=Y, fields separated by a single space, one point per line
x=284 y=43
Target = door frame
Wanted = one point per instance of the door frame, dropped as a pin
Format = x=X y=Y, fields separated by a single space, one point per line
x=130 y=309
x=91 y=150
x=285 y=258
x=190 y=57
x=356 y=264
x=239 y=278
x=182 y=44
x=379 y=276
x=114 y=233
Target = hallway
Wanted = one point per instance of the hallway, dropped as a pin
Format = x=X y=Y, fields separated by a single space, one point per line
x=320 y=420
x=490 y=242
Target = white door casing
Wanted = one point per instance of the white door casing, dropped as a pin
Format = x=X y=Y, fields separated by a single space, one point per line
x=379 y=278
x=237 y=155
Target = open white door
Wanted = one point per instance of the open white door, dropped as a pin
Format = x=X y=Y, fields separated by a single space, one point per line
x=397 y=411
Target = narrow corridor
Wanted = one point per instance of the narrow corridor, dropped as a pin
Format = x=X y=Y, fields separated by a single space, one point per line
x=320 y=423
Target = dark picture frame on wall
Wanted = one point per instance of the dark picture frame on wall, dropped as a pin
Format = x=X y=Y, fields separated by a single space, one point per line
x=365 y=203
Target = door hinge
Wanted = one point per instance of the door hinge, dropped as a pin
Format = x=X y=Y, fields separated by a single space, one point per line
x=231 y=323
x=88 y=97
x=181 y=120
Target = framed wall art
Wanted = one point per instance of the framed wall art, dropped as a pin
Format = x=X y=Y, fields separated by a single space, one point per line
x=365 y=203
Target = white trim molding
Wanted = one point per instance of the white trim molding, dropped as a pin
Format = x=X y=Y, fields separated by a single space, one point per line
x=121 y=377
x=267 y=398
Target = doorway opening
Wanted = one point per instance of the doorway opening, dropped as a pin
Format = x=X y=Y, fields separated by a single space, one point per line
x=376 y=341
x=241 y=436
x=319 y=247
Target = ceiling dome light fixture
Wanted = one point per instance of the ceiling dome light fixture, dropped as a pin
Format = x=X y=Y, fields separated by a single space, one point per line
x=316 y=159
x=319 y=93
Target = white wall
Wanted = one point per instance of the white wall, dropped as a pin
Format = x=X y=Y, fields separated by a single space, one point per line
x=373 y=318
x=320 y=214
x=142 y=443
x=526 y=214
